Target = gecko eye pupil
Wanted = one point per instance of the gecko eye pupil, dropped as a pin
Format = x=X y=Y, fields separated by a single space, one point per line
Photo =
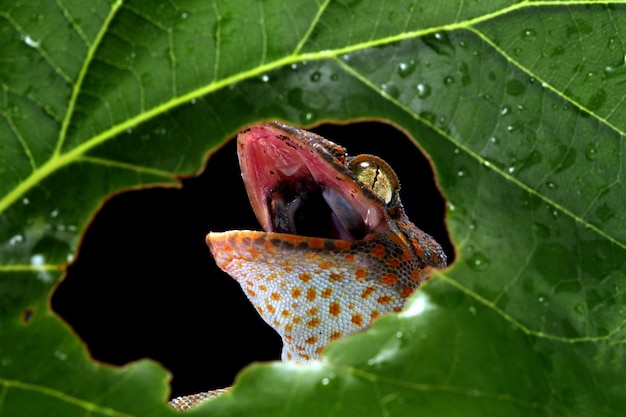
x=376 y=175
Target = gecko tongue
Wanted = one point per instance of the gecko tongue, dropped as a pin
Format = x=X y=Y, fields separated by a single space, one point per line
x=296 y=186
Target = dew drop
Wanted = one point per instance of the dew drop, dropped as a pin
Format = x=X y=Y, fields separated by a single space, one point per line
x=551 y=185
x=505 y=110
x=406 y=68
x=461 y=172
x=16 y=239
x=448 y=80
x=529 y=34
x=25 y=201
x=494 y=140
x=315 y=77
x=472 y=310
x=308 y=116
x=31 y=42
x=423 y=90
x=390 y=90
x=265 y=78
x=541 y=299
x=611 y=43
x=478 y=262
x=591 y=152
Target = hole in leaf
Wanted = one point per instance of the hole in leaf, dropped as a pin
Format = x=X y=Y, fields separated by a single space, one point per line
x=145 y=285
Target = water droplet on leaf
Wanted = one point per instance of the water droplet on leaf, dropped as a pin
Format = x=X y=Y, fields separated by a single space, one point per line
x=478 y=262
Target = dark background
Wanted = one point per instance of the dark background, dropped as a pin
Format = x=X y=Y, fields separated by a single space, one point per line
x=145 y=285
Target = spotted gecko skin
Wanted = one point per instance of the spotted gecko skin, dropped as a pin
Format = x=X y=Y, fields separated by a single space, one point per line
x=316 y=289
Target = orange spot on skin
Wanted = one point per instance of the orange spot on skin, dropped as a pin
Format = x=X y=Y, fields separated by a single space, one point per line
x=312 y=311
x=360 y=274
x=398 y=238
x=406 y=256
x=374 y=314
x=334 y=309
x=418 y=249
x=316 y=242
x=311 y=340
x=288 y=328
x=351 y=306
x=296 y=292
x=349 y=258
x=384 y=299
x=319 y=350
x=406 y=291
x=304 y=356
x=326 y=264
x=254 y=254
x=389 y=279
x=297 y=320
x=378 y=251
x=311 y=294
x=249 y=283
x=305 y=277
x=397 y=309
x=260 y=310
x=342 y=245
x=251 y=293
x=335 y=335
x=416 y=274
x=393 y=263
x=275 y=296
x=269 y=247
x=335 y=277
x=327 y=292
x=272 y=276
x=262 y=287
x=270 y=308
x=367 y=292
x=292 y=239
x=314 y=322
x=357 y=319
x=286 y=313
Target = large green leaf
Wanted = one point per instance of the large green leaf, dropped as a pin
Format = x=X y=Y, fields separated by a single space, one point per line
x=519 y=105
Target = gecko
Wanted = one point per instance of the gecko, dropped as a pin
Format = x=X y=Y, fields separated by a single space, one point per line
x=337 y=249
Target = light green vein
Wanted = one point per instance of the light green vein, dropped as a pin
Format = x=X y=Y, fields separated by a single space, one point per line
x=312 y=27
x=522 y=327
x=29 y=268
x=89 y=406
x=547 y=85
x=91 y=51
x=126 y=166
x=449 y=389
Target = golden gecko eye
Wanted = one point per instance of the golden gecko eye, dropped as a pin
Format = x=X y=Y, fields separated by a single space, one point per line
x=377 y=175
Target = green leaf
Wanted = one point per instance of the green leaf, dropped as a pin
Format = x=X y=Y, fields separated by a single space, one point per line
x=519 y=105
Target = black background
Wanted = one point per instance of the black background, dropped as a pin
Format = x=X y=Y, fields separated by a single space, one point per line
x=145 y=285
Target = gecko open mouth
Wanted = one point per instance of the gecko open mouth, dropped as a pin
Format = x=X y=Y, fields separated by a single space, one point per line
x=296 y=189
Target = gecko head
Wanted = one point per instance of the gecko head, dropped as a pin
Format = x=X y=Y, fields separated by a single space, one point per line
x=300 y=183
